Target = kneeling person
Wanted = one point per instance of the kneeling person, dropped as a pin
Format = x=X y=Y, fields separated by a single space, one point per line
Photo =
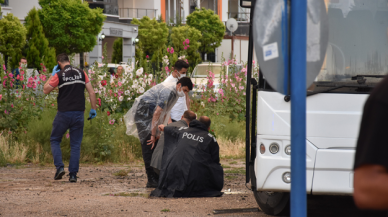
x=156 y=161
x=191 y=168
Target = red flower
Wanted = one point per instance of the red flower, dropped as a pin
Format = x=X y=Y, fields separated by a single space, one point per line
x=103 y=82
x=108 y=113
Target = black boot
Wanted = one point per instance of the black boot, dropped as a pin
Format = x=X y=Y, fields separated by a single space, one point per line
x=153 y=179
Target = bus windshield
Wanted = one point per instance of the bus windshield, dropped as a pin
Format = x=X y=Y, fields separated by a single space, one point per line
x=358 y=43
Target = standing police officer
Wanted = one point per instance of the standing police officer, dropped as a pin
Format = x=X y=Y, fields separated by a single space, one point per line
x=71 y=83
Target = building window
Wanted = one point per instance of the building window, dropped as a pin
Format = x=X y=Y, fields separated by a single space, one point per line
x=174 y=10
x=5 y=4
x=108 y=6
x=210 y=4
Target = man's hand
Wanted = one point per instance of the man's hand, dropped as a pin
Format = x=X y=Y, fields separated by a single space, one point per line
x=56 y=69
x=92 y=113
x=161 y=127
x=152 y=142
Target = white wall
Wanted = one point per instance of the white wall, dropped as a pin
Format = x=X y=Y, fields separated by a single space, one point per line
x=240 y=50
x=149 y=4
x=225 y=10
x=20 y=8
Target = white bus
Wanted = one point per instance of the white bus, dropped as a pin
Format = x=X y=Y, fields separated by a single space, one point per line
x=356 y=60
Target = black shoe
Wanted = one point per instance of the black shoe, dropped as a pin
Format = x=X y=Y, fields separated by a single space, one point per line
x=73 y=178
x=153 y=179
x=60 y=172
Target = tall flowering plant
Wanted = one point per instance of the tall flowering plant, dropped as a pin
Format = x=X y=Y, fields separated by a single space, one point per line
x=228 y=98
x=21 y=98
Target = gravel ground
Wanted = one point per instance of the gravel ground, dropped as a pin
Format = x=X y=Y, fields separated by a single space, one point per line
x=30 y=190
x=119 y=190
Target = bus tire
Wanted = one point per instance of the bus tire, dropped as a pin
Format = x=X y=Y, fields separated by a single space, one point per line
x=273 y=203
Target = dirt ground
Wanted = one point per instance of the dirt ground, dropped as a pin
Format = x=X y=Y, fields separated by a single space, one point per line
x=110 y=190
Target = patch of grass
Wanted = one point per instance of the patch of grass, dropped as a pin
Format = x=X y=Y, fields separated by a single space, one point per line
x=236 y=171
x=165 y=210
x=233 y=162
x=121 y=173
x=230 y=177
x=226 y=166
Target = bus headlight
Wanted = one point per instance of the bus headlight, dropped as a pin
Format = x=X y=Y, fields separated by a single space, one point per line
x=262 y=148
x=287 y=150
x=286 y=177
x=274 y=148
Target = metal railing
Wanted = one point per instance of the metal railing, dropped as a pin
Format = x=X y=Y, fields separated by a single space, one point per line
x=240 y=16
x=137 y=13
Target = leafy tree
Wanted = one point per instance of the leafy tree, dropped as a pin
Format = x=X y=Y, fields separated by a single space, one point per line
x=152 y=37
x=37 y=44
x=70 y=25
x=117 y=55
x=211 y=27
x=12 y=36
x=178 y=37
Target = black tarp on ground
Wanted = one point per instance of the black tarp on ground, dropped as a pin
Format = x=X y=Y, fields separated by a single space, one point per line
x=191 y=163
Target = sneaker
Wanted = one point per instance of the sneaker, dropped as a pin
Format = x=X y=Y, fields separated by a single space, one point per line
x=60 y=172
x=73 y=177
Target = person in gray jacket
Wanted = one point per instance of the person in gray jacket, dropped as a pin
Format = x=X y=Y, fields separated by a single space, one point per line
x=156 y=161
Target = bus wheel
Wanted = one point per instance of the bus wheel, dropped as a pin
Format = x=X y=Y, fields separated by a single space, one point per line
x=273 y=203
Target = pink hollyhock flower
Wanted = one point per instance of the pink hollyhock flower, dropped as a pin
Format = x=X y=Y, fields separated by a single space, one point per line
x=220 y=91
x=10 y=75
x=112 y=122
x=185 y=48
x=1 y=96
x=18 y=77
x=52 y=104
x=115 y=94
x=5 y=111
x=22 y=72
x=147 y=56
x=102 y=57
x=172 y=50
x=187 y=41
x=232 y=84
x=208 y=100
x=67 y=135
x=168 y=50
x=11 y=105
x=38 y=82
x=22 y=78
x=218 y=114
x=4 y=67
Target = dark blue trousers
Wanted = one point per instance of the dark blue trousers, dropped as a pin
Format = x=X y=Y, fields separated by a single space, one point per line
x=73 y=120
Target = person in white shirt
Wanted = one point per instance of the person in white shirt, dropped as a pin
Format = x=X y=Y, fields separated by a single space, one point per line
x=183 y=103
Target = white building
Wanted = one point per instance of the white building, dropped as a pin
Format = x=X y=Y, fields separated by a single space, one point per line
x=120 y=13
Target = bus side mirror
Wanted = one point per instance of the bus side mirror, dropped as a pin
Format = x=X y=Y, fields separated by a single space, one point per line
x=245 y=3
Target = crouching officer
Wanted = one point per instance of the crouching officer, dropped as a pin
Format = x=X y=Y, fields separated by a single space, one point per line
x=191 y=162
x=71 y=83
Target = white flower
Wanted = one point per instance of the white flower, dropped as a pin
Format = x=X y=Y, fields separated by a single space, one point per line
x=143 y=84
x=135 y=82
x=139 y=71
x=121 y=98
x=141 y=90
x=203 y=104
x=149 y=80
x=134 y=86
x=150 y=76
x=127 y=92
x=129 y=98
